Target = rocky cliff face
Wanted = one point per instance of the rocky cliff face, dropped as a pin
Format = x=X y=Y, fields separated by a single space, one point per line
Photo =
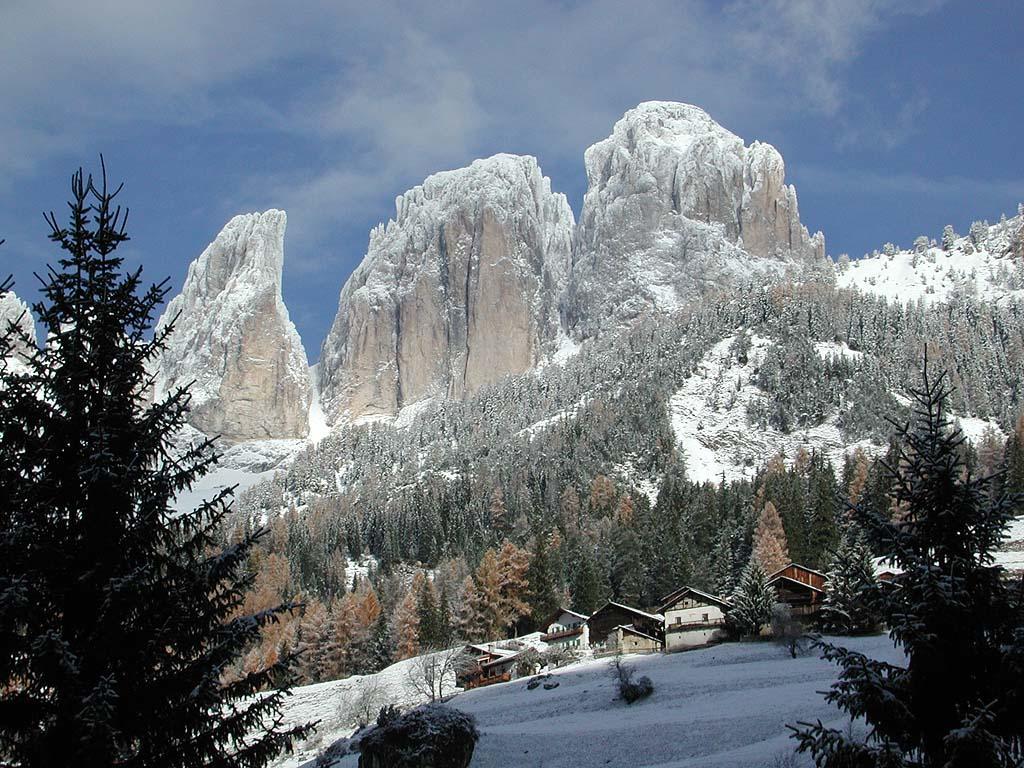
x=677 y=205
x=14 y=310
x=234 y=339
x=459 y=290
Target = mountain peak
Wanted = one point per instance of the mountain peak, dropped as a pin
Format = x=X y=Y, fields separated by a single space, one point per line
x=233 y=337
x=675 y=206
x=460 y=289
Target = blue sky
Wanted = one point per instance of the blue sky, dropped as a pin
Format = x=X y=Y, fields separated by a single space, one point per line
x=894 y=118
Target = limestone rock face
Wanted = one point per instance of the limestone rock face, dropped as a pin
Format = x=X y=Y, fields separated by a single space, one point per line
x=234 y=339
x=14 y=310
x=677 y=205
x=460 y=289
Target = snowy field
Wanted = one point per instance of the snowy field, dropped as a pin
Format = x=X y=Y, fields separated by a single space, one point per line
x=720 y=707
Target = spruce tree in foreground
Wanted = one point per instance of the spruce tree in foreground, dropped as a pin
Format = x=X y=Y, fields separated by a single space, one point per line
x=118 y=615
x=959 y=700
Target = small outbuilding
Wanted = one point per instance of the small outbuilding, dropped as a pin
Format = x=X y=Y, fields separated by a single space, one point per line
x=693 y=618
x=604 y=622
x=628 y=639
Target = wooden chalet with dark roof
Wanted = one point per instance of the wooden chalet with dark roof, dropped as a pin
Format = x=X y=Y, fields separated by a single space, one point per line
x=604 y=623
x=799 y=587
x=486 y=665
x=692 y=618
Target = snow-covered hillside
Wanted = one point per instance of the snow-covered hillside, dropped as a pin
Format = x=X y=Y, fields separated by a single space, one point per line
x=982 y=264
x=710 y=419
x=722 y=707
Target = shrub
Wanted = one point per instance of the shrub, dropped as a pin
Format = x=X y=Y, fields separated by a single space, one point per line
x=430 y=736
x=630 y=689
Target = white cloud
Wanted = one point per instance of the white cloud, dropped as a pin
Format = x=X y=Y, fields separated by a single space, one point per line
x=378 y=95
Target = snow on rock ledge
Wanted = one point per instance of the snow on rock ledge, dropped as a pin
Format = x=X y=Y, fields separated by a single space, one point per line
x=460 y=289
x=14 y=310
x=234 y=338
x=709 y=419
x=676 y=204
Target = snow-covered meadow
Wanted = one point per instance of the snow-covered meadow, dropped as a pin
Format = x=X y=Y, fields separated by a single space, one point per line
x=721 y=707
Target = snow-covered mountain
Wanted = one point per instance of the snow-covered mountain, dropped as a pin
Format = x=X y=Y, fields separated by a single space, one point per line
x=233 y=338
x=690 y=307
x=15 y=311
x=459 y=290
x=677 y=205
x=987 y=264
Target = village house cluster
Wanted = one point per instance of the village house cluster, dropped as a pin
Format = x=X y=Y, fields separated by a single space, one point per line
x=687 y=618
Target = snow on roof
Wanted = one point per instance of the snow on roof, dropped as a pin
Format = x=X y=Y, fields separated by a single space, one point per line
x=571 y=613
x=885 y=565
x=637 y=611
x=795 y=581
x=673 y=597
x=493 y=650
x=801 y=567
x=634 y=631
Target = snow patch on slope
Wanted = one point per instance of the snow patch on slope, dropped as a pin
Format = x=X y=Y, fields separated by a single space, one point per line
x=709 y=419
x=981 y=267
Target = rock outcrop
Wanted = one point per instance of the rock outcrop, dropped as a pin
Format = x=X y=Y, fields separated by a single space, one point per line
x=233 y=337
x=677 y=205
x=14 y=310
x=460 y=289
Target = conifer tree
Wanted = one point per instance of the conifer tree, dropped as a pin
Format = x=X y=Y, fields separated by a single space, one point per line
x=957 y=701
x=407 y=627
x=433 y=633
x=312 y=642
x=585 y=583
x=381 y=643
x=770 y=549
x=513 y=565
x=118 y=613
x=543 y=588
x=852 y=588
x=752 y=601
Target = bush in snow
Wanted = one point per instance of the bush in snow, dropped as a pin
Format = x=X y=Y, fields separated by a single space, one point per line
x=631 y=688
x=431 y=736
x=787 y=630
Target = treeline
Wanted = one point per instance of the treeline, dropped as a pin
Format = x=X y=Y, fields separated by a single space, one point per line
x=605 y=540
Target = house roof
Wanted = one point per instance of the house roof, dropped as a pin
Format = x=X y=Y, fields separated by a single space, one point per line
x=635 y=611
x=562 y=634
x=557 y=613
x=673 y=597
x=634 y=631
x=801 y=567
x=799 y=583
x=501 y=652
x=501 y=660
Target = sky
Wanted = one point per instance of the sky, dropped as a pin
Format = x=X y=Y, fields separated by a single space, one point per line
x=894 y=118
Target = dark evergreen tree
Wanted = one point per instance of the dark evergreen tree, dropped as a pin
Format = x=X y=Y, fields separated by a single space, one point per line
x=957 y=702
x=752 y=602
x=542 y=595
x=850 y=600
x=585 y=581
x=118 y=614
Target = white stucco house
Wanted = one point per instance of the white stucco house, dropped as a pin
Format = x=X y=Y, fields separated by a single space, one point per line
x=693 y=618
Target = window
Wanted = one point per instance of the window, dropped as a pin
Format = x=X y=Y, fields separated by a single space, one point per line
x=678 y=620
x=705 y=618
